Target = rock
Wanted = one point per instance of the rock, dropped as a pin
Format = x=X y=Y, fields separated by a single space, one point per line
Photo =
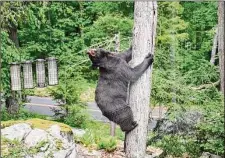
x=209 y=155
x=63 y=138
x=153 y=152
x=148 y=156
x=70 y=153
x=35 y=136
x=83 y=152
x=54 y=131
x=52 y=142
x=61 y=143
x=69 y=137
x=39 y=155
x=44 y=148
x=152 y=123
x=74 y=152
x=183 y=123
x=61 y=153
x=17 y=131
x=78 y=132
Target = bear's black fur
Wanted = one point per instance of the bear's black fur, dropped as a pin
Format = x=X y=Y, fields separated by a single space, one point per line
x=111 y=91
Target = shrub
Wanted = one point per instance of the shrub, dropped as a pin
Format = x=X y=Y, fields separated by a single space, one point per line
x=176 y=145
x=88 y=139
x=91 y=140
x=77 y=116
x=210 y=132
x=109 y=144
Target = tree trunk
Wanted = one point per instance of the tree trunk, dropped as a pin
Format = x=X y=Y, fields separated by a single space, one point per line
x=13 y=35
x=213 y=53
x=145 y=18
x=117 y=47
x=12 y=105
x=221 y=42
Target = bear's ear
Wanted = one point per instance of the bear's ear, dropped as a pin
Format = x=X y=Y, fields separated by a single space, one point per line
x=103 y=52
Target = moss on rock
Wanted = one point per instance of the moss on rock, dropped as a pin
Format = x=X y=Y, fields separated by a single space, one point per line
x=38 y=123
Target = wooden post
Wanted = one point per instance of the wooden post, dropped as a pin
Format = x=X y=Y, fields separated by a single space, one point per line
x=117 y=47
x=145 y=19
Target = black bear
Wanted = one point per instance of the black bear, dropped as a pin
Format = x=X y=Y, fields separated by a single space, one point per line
x=111 y=91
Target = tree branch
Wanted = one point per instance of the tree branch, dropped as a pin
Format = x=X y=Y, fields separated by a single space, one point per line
x=204 y=86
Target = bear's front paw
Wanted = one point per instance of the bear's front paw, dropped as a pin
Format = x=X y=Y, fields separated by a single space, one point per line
x=149 y=56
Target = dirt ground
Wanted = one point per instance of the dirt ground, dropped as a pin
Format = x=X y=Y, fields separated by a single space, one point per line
x=84 y=152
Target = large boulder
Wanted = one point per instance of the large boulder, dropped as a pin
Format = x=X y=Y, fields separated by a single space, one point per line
x=209 y=155
x=78 y=132
x=35 y=137
x=17 y=131
x=51 y=142
x=184 y=123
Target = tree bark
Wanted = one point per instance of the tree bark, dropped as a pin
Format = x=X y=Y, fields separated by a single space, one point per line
x=117 y=47
x=213 y=53
x=13 y=35
x=221 y=42
x=145 y=21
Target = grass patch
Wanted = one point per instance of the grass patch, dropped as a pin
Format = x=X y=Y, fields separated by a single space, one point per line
x=88 y=95
x=109 y=144
x=40 y=92
x=97 y=136
x=23 y=114
x=16 y=149
x=11 y=149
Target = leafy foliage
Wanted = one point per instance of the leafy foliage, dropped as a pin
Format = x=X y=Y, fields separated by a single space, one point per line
x=211 y=130
x=77 y=117
x=176 y=145
x=107 y=144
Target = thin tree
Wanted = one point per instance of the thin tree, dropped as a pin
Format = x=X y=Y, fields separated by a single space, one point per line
x=221 y=43
x=145 y=18
x=213 y=52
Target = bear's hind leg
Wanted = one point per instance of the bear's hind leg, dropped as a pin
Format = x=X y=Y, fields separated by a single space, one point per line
x=121 y=115
x=126 y=120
